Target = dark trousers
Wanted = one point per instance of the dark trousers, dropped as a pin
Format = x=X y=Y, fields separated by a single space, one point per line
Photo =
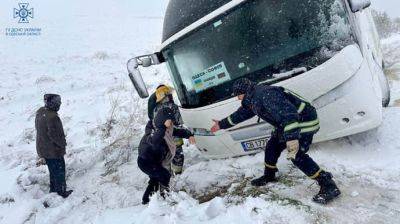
x=158 y=175
x=57 y=175
x=179 y=157
x=303 y=161
x=156 y=172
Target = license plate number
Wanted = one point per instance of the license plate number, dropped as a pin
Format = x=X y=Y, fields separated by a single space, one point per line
x=254 y=145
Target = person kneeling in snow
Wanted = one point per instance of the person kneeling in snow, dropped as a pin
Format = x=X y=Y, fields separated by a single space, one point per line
x=295 y=122
x=156 y=150
x=50 y=143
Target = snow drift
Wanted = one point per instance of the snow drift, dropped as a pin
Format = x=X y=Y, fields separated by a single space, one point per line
x=104 y=118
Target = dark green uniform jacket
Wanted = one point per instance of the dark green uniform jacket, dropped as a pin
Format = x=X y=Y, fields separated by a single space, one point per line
x=50 y=137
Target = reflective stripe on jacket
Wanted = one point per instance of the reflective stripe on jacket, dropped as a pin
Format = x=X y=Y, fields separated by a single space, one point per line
x=289 y=113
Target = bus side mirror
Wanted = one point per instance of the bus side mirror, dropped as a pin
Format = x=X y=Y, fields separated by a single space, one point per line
x=358 y=5
x=134 y=72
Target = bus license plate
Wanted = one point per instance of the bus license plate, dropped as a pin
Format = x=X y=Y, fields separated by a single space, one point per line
x=254 y=145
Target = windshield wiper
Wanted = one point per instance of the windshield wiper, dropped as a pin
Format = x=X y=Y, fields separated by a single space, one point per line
x=285 y=75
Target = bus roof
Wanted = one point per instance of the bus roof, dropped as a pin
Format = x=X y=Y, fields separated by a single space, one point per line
x=182 y=13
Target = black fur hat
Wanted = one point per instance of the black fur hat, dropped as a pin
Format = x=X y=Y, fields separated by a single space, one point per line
x=52 y=101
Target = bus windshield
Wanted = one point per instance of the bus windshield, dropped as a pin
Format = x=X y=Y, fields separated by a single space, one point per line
x=256 y=39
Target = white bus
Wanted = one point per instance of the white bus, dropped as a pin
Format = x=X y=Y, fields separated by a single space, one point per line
x=327 y=51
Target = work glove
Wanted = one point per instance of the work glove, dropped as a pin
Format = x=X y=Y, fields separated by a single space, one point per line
x=40 y=162
x=292 y=148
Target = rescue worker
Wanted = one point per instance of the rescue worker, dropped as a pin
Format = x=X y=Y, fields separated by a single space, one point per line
x=161 y=98
x=295 y=122
x=156 y=150
x=51 y=143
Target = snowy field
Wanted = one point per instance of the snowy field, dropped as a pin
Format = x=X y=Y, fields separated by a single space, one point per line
x=103 y=119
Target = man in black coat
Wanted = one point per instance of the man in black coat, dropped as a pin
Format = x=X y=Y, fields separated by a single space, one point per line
x=155 y=147
x=51 y=143
x=295 y=122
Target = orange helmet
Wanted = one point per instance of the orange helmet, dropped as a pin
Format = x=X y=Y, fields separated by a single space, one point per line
x=162 y=92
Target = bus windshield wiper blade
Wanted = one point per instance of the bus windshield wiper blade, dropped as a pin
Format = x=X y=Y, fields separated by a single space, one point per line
x=285 y=75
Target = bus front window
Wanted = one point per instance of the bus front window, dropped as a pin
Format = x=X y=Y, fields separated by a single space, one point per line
x=255 y=40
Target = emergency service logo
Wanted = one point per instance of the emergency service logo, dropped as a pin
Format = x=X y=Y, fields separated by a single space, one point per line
x=23 y=13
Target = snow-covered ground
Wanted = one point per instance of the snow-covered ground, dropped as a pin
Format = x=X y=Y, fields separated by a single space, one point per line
x=103 y=119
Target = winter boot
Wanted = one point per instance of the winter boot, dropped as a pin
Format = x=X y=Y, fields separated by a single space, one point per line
x=150 y=190
x=65 y=194
x=328 y=191
x=269 y=176
x=146 y=195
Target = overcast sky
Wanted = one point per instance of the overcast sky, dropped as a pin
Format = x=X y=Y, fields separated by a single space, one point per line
x=392 y=7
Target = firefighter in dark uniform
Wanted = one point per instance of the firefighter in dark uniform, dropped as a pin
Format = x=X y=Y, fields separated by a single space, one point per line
x=295 y=122
x=161 y=98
